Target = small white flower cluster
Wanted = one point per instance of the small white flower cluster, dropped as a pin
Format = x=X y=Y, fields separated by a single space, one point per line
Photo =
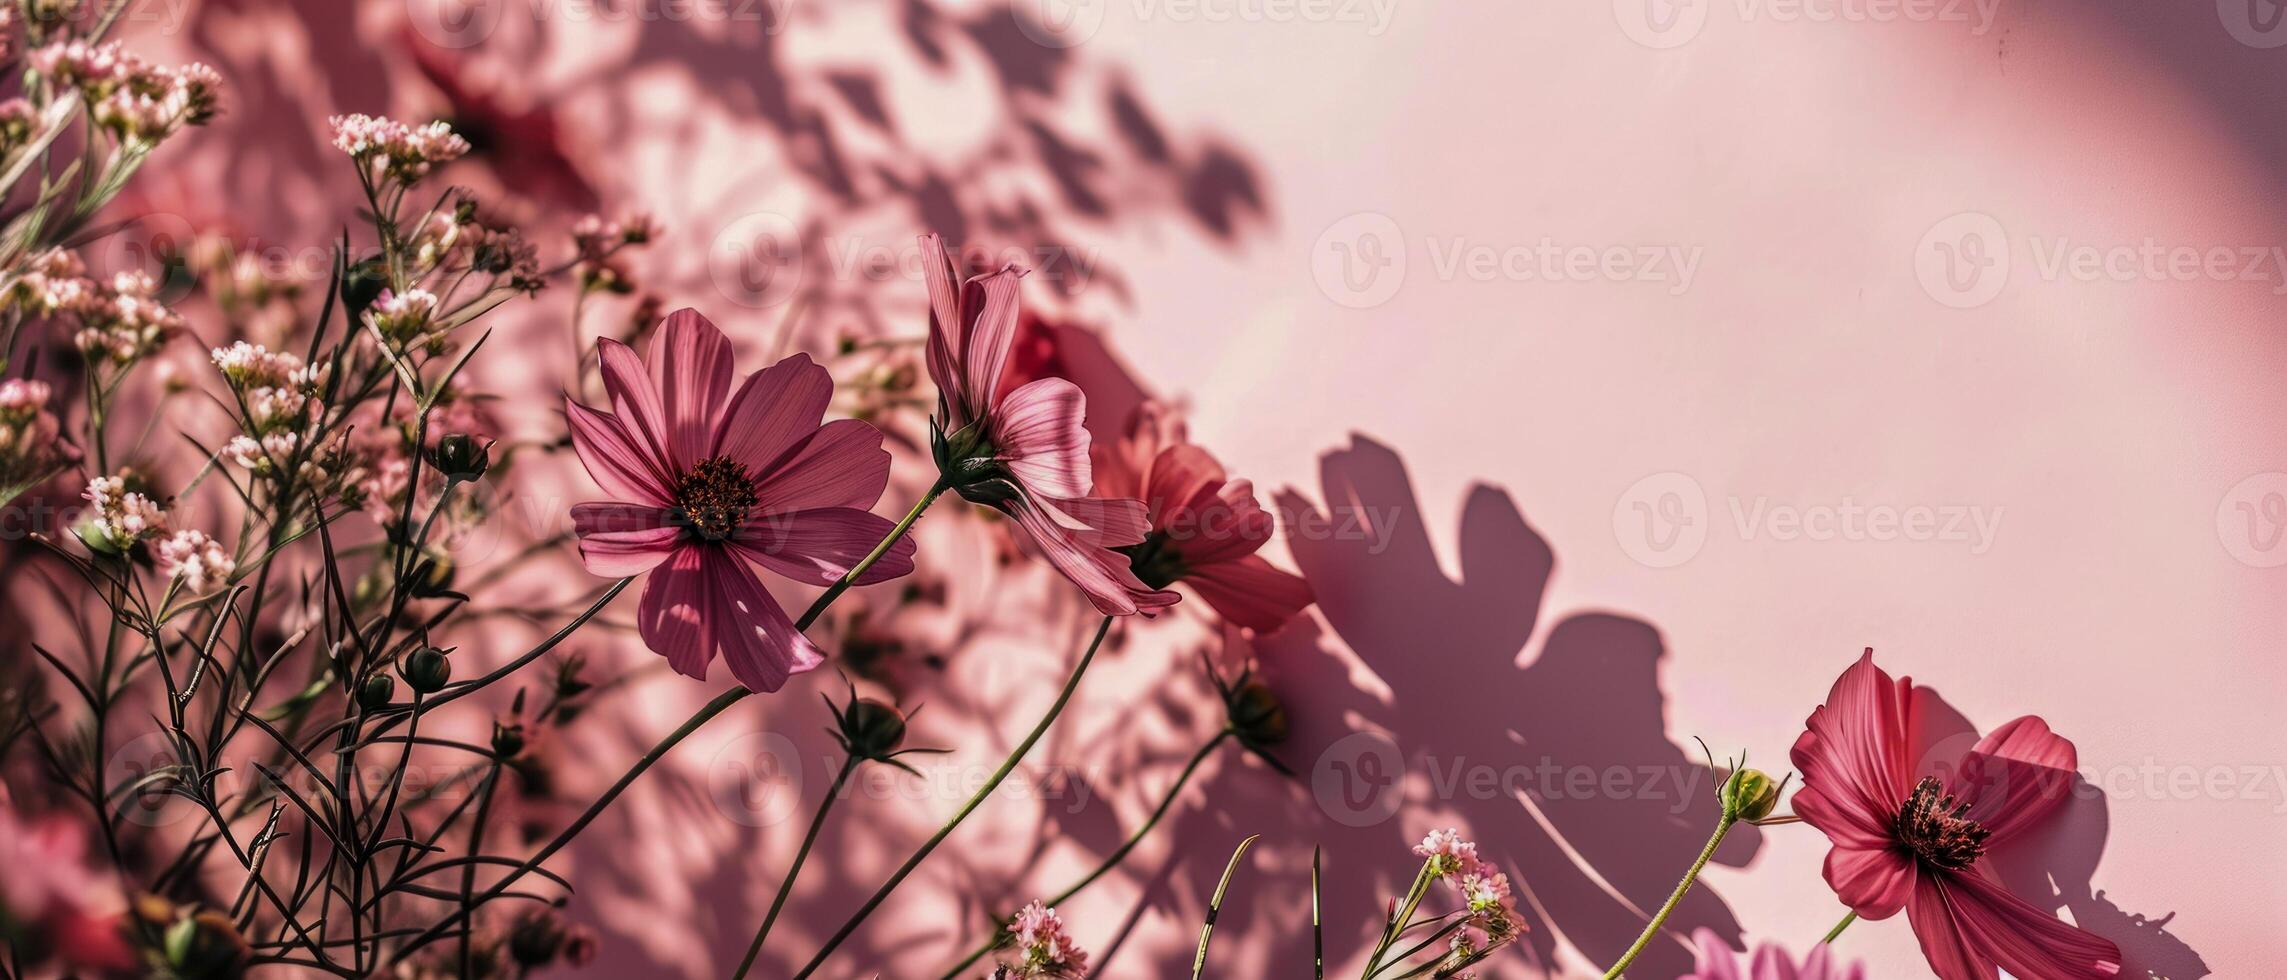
x=277 y=390
x=396 y=151
x=124 y=322
x=402 y=316
x=1045 y=948
x=17 y=117
x=199 y=562
x=134 y=99
x=28 y=431
x=118 y=517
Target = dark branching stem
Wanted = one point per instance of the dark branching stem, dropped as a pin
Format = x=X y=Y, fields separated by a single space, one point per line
x=786 y=887
x=1008 y=765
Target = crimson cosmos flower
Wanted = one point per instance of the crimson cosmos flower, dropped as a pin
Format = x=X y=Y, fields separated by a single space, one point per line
x=1024 y=453
x=706 y=482
x=1914 y=837
x=1205 y=526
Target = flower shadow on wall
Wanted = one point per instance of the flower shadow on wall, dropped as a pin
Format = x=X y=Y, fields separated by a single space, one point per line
x=1449 y=652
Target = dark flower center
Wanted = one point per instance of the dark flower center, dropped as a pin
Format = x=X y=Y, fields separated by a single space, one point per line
x=1156 y=562
x=1935 y=826
x=714 y=499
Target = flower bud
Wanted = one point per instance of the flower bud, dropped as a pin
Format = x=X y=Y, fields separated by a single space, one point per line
x=1256 y=714
x=536 y=939
x=377 y=692
x=426 y=670
x=461 y=457
x=1750 y=794
x=871 y=729
x=507 y=739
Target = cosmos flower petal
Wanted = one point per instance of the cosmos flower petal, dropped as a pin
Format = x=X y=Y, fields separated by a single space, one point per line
x=840 y=465
x=773 y=412
x=619 y=464
x=1250 y=592
x=1874 y=882
x=1042 y=434
x=1853 y=748
x=620 y=539
x=990 y=303
x=1100 y=573
x=759 y=643
x=635 y=399
x=1970 y=925
x=2016 y=775
x=1712 y=958
x=676 y=616
x=1228 y=525
x=820 y=546
x=1107 y=522
x=691 y=364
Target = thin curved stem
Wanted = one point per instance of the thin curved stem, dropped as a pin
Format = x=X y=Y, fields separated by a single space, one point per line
x=1831 y=934
x=706 y=713
x=1683 y=887
x=1111 y=861
x=786 y=887
x=1007 y=765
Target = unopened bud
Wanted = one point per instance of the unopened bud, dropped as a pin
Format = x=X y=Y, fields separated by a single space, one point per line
x=377 y=691
x=426 y=670
x=1257 y=714
x=461 y=457
x=1750 y=794
x=872 y=729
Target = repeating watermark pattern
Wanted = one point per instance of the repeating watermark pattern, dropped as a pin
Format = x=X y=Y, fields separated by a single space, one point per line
x=2251 y=521
x=1664 y=24
x=1663 y=520
x=1361 y=261
x=1066 y=23
x=467 y=23
x=1358 y=779
x=2255 y=23
x=762 y=259
x=1966 y=259
x=756 y=779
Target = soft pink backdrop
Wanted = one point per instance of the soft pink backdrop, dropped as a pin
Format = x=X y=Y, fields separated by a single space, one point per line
x=1497 y=430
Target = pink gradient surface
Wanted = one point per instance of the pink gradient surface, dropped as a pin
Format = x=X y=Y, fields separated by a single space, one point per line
x=1578 y=488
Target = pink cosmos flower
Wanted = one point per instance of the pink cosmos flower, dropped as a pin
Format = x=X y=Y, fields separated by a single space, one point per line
x=1913 y=836
x=1024 y=453
x=706 y=481
x=1713 y=960
x=1205 y=526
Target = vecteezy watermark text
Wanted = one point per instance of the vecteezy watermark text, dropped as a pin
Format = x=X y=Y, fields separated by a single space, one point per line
x=1663 y=520
x=1361 y=260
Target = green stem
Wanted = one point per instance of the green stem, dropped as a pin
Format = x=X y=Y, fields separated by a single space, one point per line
x=786 y=887
x=1683 y=887
x=706 y=713
x=1113 y=859
x=1838 y=928
x=1007 y=765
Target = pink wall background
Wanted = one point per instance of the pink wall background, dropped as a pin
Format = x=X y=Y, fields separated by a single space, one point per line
x=1499 y=432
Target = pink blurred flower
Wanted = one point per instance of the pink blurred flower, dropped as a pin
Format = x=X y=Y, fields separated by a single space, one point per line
x=1044 y=948
x=1918 y=845
x=1712 y=960
x=1025 y=453
x=706 y=481
x=200 y=562
x=1205 y=526
x=69 y=910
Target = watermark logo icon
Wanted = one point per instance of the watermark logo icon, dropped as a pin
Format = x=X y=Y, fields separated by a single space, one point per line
x=756 y=260
x=1360 y=261
x=1661 y=521
x=1661 y=24
x=140 y=772
x=1357 y=779
x=1058 y=23
x=2251 y=522
x=756 y=779
x=2255 y=23
x=1963 y=260
x=454 y=23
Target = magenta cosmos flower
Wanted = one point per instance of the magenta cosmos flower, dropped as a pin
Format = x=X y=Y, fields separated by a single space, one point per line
x=1913 y=834
x=1713 y=960
x=1024 y=453
x=1205 y=526
x=707 y=482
